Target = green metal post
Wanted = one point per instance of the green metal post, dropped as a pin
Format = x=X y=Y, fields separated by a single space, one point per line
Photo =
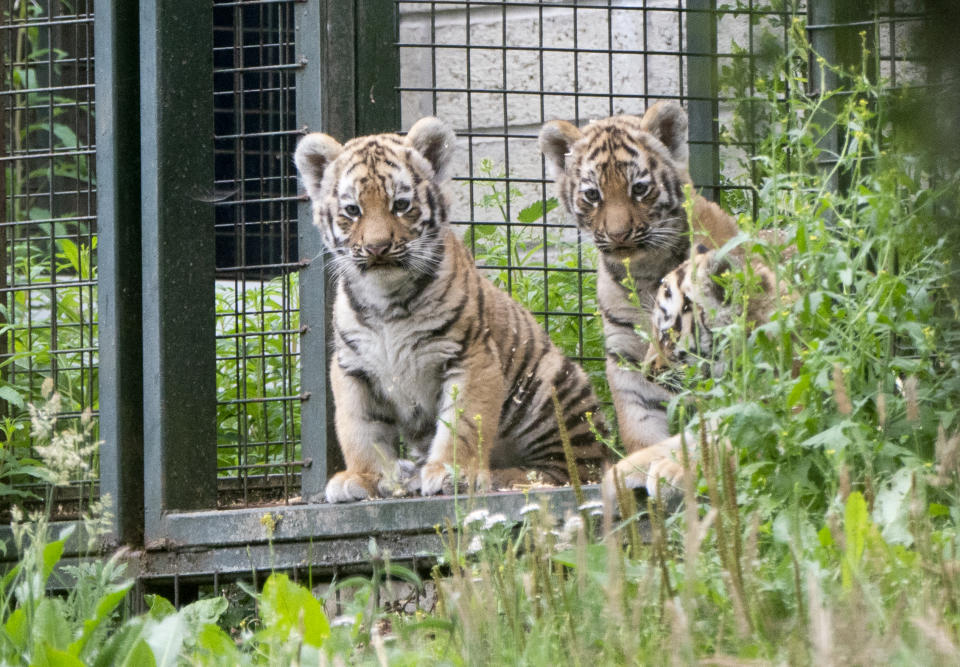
x=377 y=67
x=118 y=264
x=702 y=107
x=320 y=108
x=834 y=29
x=176 y=104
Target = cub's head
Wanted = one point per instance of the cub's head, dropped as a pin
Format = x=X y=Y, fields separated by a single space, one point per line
x=680 y=319
x=623 y=177
x=377 y=200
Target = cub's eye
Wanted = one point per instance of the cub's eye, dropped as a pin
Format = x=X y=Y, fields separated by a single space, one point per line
x=640 y=189
x=592 y=195
x=401 y=205
x=352 y=210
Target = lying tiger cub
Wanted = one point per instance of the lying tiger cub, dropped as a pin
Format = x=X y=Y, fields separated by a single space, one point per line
x=691 y=303
x=428 y=352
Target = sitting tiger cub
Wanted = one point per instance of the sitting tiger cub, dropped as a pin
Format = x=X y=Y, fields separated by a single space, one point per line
x=623 y=180
x=427 y=351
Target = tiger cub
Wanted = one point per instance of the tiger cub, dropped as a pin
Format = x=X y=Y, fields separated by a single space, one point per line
x=427 y=352
x=694 y=300
x=623 y=180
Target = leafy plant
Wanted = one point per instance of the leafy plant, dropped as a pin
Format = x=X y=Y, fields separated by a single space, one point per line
x=257 y=334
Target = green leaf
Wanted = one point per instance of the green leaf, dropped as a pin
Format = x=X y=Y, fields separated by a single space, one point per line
x=204 y=612
x=127 y=647
x=49 y=656
x=50 y=624
x=891 y=508
x=16 y=628
x=831 y=438
x=11 y=395
x=52 y=553
x=105 y=606
x=160 y=607
x=535 y=211
x=286 y=607
x=217 y=648
x=67 y=137
x=856 y=523
x=166 y=638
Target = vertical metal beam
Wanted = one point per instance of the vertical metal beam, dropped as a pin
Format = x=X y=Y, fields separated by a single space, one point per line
x=335 y=49
x=834 y=38
x=176 y=105
x=116 y=74
x=377 y=67
x=702 y=106
x=323 y=104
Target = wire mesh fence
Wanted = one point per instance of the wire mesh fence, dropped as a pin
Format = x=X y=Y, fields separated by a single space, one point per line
x=496 y=71
x=258 y=399
x=48 y=318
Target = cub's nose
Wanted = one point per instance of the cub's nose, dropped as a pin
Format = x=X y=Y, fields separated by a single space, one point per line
x=378 y=249
x=619 y=237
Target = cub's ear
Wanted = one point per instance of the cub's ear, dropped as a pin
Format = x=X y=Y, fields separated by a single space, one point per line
x=556 y=139
x=314 y=154
x=667 y=121
x=435 y=141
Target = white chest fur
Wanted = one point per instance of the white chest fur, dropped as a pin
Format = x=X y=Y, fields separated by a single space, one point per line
x=400 y=357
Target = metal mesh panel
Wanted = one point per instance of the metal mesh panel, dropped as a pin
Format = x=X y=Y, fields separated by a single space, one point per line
x=497 y=71
x=47 y=217
x=258 y=409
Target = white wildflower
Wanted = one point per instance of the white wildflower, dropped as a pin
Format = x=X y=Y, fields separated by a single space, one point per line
x=98 y=519
x=567 y=536
x=476 y=544
x=476 y=516
x=527 y=509
x=592 y=507
x=66 y=452
x=43 y=419
x=494 y=519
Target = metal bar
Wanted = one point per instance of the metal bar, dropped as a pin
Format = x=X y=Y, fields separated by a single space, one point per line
x=118 y=271
x=322 y=521
x=319 y=106
x=832 y=29
x=702 y=105
x=377 y=67
x=176 y=94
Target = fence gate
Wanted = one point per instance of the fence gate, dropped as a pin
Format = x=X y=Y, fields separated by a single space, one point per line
x=157 y=261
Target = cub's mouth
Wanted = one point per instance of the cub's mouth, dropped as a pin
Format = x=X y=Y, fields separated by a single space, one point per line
x=379 y=263
x=620 y=251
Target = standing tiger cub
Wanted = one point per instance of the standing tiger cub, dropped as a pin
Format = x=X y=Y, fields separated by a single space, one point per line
x=427 y=352
x=623 y=180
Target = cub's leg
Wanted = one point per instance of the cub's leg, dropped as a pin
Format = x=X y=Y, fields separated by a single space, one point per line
x=641 y=407
x=657 y=465
x=368 y=439
x=467 y=426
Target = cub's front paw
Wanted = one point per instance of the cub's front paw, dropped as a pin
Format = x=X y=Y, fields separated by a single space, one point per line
x=650 y=468
x=347 y=486
x=438 y=478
